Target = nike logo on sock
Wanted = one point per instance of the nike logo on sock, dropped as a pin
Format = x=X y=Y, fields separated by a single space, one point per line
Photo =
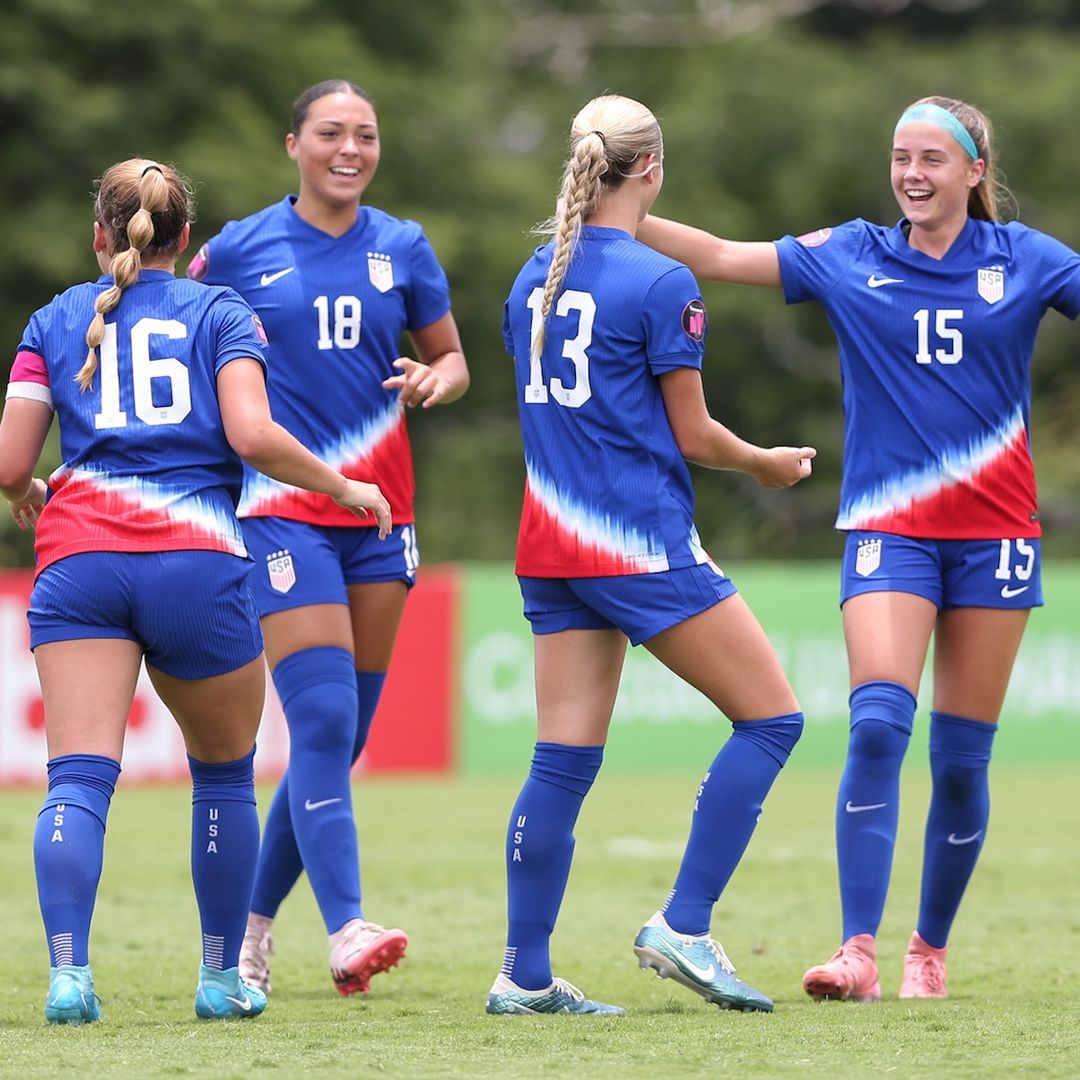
x=957 y=840
x=309 y=805
x=851 y=808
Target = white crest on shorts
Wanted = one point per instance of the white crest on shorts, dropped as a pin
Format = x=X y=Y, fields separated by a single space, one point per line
x=992 y=284
x=868 y=557
x=380 y=270
x=279 y=565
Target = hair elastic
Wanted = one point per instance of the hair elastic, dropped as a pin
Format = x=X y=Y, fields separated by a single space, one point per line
x=600 y=133
x=942 y=118
x=155 y=168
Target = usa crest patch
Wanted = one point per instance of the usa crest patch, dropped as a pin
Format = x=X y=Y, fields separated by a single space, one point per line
x=868 y=557
x=380 y=271
x=992 y=284
x=279 y=565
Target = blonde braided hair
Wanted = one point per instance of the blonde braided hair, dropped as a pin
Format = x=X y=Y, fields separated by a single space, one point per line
x=130 y=194
x=607 y=136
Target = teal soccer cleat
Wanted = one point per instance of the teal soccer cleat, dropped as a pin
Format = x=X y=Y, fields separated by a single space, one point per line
x=506 y=998
x=71 y=997
x=699 y=963
x=223 y=994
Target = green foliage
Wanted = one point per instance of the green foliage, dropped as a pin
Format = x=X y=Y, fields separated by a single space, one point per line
x=779 y=129
x=433 y=854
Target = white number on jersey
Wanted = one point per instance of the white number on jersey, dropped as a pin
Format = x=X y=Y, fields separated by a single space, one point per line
x=343 y=331
x=144 y=370
x=1006 y=568
x=945 y=333
x=536 y=393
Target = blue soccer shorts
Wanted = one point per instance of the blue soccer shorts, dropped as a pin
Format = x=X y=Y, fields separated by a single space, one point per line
x=949 y=573
x=640 y=605
x=192 y=612
x=297 y=564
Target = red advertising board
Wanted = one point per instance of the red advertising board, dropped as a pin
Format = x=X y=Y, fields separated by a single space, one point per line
x=413 y=730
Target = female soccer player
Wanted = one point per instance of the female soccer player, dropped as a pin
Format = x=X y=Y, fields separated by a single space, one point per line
x=336 y=284
x=139 y=556
x=607 y=339
x=936 y=320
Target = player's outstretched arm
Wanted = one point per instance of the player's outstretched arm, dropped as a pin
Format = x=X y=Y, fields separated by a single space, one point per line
x=706 y=441
x=266 y=445
x=710 y=257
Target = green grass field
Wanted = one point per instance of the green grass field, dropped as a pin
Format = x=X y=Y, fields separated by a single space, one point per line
x=433 y=864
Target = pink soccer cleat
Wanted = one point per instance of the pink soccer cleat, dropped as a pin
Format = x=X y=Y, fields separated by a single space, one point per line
x=851 y=974
x=361 y=949
x=924 y=970
x=255 y=952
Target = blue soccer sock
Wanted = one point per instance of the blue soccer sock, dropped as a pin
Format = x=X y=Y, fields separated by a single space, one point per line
x=956 y=826
x=726 y=810
x=867 y=804
x=317 y=688
x=69 y=842
x=369 y=688
x=280 y=865
x=539 y=850
x=224 y=847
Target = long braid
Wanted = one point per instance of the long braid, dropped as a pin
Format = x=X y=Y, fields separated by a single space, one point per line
x=581 y=191
x=607 y=137
x=125 y=265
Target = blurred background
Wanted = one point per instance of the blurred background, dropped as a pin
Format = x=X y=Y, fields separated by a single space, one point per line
x=777 y=117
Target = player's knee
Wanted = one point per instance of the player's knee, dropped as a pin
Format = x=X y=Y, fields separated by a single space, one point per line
x=317 y=688
x=777 y=735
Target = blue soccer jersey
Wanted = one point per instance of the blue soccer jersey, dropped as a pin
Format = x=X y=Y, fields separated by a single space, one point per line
x=935 y=357
x=335 y=309
x=146 y=465
x=607 y=491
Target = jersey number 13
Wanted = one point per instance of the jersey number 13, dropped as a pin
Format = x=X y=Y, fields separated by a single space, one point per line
x=574 y=349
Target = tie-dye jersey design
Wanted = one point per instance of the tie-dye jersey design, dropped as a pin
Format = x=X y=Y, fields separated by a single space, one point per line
x=335 y=309
x=146 y=466
x=607 y=491
x=935 y=357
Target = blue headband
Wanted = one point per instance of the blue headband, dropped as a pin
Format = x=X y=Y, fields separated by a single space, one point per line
x=942 y=118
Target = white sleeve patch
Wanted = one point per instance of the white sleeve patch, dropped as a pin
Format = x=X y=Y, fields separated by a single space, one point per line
x=32 y=391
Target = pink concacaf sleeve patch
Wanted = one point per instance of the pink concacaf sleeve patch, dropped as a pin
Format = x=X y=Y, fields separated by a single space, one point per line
x=29 y=367
x=200 y=264
x=815 y=238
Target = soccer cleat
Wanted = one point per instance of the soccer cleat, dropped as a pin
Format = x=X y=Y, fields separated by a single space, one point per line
x=850 y=975
x=256 y=951
x=71 y=997
x=507 y=999
x=698 y=963
x=224 y=994
x=361 y=949
x=924 y=970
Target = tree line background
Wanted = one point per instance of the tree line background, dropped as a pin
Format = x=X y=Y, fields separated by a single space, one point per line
x=777 y=117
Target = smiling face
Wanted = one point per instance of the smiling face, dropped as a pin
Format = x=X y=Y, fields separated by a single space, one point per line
x=932 y=176
x=336 y=150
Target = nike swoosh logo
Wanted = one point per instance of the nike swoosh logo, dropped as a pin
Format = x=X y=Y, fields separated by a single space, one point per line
x=309 y=805
x=704 y=974
x=957 y=840
x=269 y=279
x=851 y=808
x=1008 y=594
x=876 y=282
x=244 y=1002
